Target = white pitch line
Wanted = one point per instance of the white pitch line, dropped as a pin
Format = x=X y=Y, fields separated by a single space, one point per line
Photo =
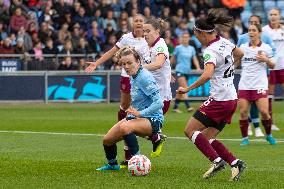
x=101 y=135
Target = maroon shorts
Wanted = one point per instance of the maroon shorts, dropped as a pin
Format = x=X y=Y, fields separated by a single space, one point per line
x=276 y=77
x=125 y=84
x=252 y=95
x=219 y=111
x=167 y=104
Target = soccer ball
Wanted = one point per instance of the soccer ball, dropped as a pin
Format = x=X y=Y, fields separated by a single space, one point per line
x=139 y=165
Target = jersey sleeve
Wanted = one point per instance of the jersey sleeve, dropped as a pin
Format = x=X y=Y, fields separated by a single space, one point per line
x=241 y=40
x=193 y=52
x=161 y=48
x=122 y=41
x=209 y=57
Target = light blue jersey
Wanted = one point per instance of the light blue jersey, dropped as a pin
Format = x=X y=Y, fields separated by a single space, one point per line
x=145 y=95
x=264 y=38
x=184 y=55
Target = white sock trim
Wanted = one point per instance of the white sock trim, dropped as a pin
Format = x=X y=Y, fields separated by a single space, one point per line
x=255 y=120
x=234 y=162
x=211 y=140
x=125 y=147
x=194 y=136
x=271 y=96
x=121 y=108
x=218 y=159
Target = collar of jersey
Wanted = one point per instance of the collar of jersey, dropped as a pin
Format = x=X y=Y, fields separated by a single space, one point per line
x=156 y=41
x=214 y=40
x=139 y=70
x=258 y=45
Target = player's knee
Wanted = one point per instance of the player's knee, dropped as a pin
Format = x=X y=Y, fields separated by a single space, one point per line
x=107 y=140
x=124 y=105
x=264 y=114
x=188 y=132
x=243 y=114
x=125 y=129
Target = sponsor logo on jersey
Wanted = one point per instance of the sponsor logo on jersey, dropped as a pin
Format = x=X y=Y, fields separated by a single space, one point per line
x=206 y=57
x=160 y=49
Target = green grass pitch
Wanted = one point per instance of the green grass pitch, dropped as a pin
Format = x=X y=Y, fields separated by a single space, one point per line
x=57 y=152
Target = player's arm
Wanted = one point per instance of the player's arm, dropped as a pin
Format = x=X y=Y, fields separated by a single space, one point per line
x=205 y=76
x=160 y=60
x=264 y=58
x=102 y=59
x=238 y=55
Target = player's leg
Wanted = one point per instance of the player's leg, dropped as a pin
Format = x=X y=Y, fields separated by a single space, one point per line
x=254 y=116
x=125 y=100
x=141 y=127
x=110 y=148
x=273 y=80
x=180 y=97
x=262 y=105
x=193 y=131
x=243 y=121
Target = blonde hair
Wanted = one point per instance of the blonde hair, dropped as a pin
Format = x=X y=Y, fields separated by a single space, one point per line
x=127 y=50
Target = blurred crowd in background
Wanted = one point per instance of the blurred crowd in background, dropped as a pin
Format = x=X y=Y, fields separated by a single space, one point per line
x=64 y=34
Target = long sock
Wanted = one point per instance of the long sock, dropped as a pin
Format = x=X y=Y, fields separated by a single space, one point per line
x=177 y=101
x=121 y=114
x=270 y=99
x=111 y=153
x=244 y=127
x=267 y=126
x=186 y=102
x=254 y=115
x=223 y=152
x=132 y=143
x=204 y=146
x=127 y=154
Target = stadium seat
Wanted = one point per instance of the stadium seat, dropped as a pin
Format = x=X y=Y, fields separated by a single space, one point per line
x=269 y=4
x=245 y=17
x=280 y=5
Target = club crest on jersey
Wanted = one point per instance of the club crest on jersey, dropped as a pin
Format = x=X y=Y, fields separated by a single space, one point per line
x=160 y=49
x=206 y=57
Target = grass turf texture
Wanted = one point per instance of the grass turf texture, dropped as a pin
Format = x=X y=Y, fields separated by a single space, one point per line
x=40 y=160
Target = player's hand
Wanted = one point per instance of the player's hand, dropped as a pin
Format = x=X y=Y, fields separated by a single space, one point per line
x=182 y=90
x=262 y=57
x=133 y=111
x=92 y=66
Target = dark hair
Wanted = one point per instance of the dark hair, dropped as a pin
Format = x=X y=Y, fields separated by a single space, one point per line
x=157 y=24
x=127 y=50
x=259 y=18
x=215 y=18
x=276 y=8
x=258 y=26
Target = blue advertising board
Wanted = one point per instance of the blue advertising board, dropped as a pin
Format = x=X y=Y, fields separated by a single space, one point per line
x=77 y=88
x=22 y=88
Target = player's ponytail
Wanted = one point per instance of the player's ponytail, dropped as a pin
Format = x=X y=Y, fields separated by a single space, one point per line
x=215 y=18
x=157 y=24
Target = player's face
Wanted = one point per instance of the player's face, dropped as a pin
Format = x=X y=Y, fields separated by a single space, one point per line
x=130 y=64
x=274 y=16
x=185 y=39
x=150 y=33
x=138 y=22
x=253 y=33
x=200 y=36
x=254 y=20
